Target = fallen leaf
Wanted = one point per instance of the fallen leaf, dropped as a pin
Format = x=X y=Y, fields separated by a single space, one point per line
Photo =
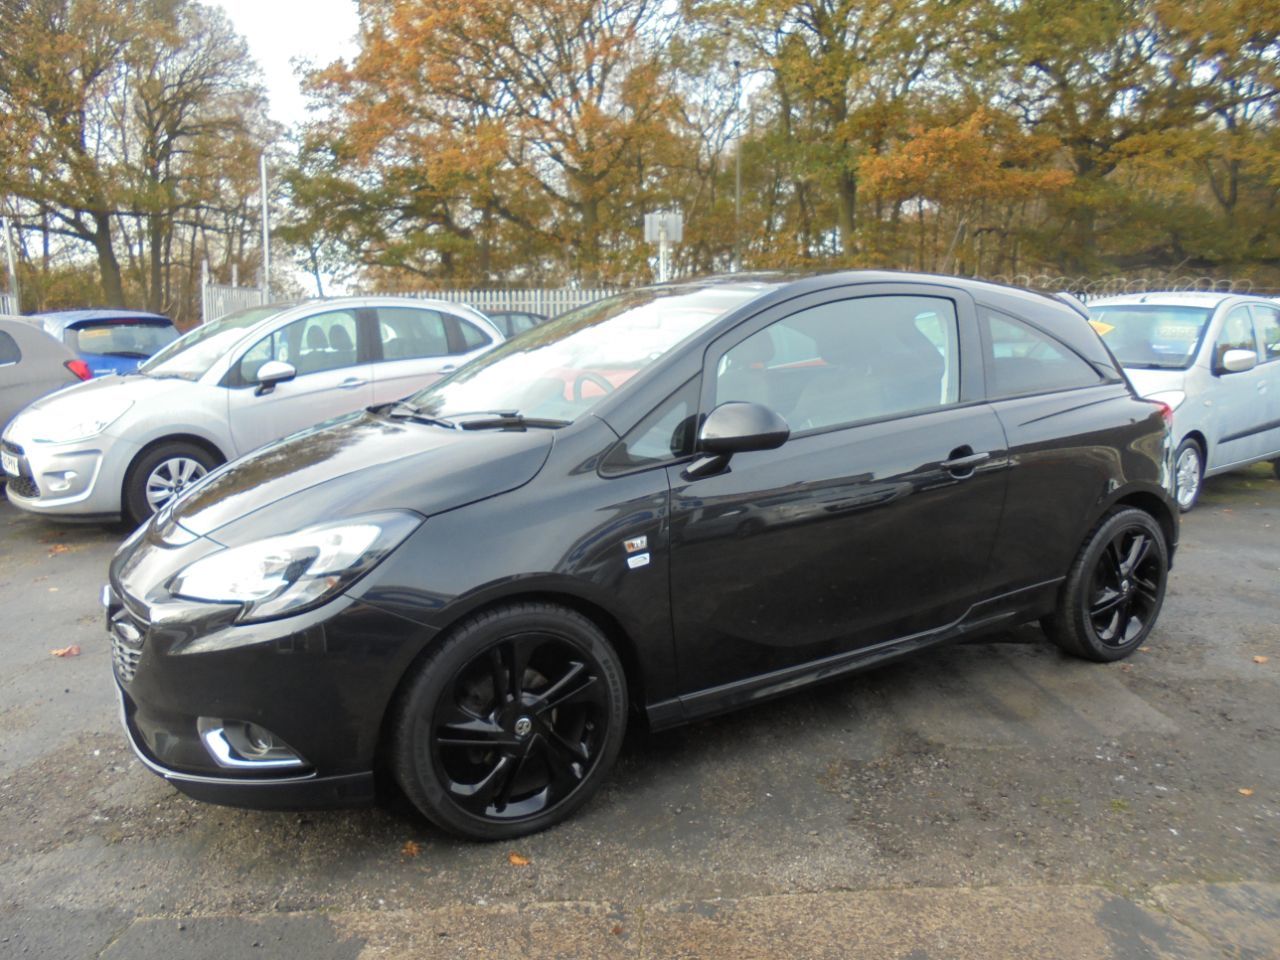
x=1144 y=649
x=411 y=848
x=617 y=930
x=71 y=651
x=58 y=548
x=1260 y=659
x=53 y=589
x=1126 y=667
x=518 y=861
x=1245 y=791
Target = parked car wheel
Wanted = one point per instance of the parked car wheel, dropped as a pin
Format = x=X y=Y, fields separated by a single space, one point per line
x=1115 y=589
x=512 y=723
x=1188 y=474
x=161 y=474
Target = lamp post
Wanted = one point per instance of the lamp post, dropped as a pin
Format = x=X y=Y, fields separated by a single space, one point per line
x=737 y=168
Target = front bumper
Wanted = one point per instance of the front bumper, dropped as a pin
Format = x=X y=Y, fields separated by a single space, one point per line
x=68 y=479
x=304 y=791
x=321 y=681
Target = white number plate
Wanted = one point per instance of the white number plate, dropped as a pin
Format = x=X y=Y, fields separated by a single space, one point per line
x=9 y=463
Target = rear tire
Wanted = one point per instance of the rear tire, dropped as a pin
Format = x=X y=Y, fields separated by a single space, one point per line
x=1188 y=472
x=511 y=724
x=1115 y=588
x=161 y=474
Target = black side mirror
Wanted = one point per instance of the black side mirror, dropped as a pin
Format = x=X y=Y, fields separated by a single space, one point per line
x=736 y=427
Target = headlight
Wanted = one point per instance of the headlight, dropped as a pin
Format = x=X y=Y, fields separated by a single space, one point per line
x=1172 y=397
x=291 y=573
x=64 y=423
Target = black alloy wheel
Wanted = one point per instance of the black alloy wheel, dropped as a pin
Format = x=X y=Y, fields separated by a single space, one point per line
x=1115 y=589
x=512 y=723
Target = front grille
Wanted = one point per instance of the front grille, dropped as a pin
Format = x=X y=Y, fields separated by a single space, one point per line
x=126 y=647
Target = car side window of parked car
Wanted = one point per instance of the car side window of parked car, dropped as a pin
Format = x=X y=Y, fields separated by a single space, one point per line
x=847 y=361
x=1023 y=360
x=665 y=434
x=471 y=336
x=1268 y=323
x=1236 y=334
x=9 y=352
x=409 y=334
x=323 y=341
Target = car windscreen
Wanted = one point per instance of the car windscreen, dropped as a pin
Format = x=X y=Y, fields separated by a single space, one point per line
x=563 y=368
x=1151 y=336
x=121 y=338
x=197 y=350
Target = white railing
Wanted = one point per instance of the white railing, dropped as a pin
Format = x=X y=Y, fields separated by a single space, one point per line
x=548 y=302
x=217 y=300
x=8 y=303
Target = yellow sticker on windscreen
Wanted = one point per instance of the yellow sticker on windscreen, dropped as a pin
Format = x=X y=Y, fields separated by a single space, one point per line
x=1102 y=327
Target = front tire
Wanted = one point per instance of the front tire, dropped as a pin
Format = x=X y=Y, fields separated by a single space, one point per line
x=511 y=723
x=161 y=474
x=1115 y=589
x=1188 y=471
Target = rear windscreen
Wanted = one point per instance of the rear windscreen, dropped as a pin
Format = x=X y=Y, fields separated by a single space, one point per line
x=120 y=339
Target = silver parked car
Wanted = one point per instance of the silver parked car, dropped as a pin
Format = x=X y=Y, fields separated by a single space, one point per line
x=32 y=363
x=127 y=444
x=1215 y=359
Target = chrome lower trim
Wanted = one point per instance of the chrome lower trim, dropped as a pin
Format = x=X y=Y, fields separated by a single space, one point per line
x=215 y=741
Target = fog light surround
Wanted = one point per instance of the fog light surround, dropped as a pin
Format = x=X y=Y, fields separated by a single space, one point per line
x=60 y=482
x=240 y=745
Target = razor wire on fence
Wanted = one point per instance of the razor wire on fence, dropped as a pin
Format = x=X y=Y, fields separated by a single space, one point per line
x=547 y=301
x=1093 y=288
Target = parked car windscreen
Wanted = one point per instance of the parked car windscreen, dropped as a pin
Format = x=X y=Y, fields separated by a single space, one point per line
x=195 y=352
x=120 y=338
x=1151 y=336
x=563 y=368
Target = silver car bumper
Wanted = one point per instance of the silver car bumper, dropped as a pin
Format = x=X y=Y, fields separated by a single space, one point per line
x=83 y=478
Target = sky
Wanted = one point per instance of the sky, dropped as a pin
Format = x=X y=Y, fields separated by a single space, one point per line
x=282 y=31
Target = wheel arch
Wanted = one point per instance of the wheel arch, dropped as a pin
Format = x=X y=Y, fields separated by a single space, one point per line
x=1158 y=508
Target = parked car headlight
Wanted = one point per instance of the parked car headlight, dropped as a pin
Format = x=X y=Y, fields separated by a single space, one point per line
x=296 y=571
x=1172 y=397
x=61 y=424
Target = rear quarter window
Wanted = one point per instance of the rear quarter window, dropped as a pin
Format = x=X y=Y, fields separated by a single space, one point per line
x=1022 y=360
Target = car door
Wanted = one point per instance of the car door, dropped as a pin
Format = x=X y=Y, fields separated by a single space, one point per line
x=418 y=346
x=1237 y=400
x=1266 y=319
x=874 y=521
x=334 y=376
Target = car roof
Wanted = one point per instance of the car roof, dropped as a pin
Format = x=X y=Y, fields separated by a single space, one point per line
x=69 y=318
x=1174 y=298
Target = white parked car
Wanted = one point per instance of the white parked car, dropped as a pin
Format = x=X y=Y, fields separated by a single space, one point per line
x=1215 y=359
x=127 y=444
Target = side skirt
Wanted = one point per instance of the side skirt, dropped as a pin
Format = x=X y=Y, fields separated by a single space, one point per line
x=1007 y=609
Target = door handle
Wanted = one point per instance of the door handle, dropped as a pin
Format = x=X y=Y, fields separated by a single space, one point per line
x=962 y=461
x=352 y=382
x=448 y=367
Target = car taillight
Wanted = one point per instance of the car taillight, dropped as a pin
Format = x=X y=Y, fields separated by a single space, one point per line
x=1166 y=413
x=79 y=368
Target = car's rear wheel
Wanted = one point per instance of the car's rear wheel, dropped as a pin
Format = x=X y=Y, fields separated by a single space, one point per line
x=1188 y=474
x=512 y=723
x=1115 y=589
x=161 y=474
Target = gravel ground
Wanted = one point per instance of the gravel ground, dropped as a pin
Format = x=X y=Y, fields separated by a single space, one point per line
x=991 y=790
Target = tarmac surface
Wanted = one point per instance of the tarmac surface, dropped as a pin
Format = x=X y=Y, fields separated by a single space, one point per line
x=992 y=799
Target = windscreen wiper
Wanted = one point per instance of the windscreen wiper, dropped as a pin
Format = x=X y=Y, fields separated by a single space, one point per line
x=403 y=410
x=509 y=420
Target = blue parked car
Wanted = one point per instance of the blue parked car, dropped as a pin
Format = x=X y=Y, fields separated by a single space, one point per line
x=109 y=341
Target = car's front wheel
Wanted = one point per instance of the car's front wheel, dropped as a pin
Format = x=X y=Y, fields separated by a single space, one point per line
x=1115 y=589
x=1188 y=474
x=511 y=723
x=161 y=474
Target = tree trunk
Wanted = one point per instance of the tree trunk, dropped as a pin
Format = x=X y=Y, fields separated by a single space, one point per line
x=108 y=265
x=846 y=211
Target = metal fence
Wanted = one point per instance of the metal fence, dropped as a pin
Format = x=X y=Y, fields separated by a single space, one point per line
x=217 y=300
x=8 y=303
x=548 y=302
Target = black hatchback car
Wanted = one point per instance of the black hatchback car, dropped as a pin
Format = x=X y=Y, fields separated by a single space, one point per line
x=668 y=504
